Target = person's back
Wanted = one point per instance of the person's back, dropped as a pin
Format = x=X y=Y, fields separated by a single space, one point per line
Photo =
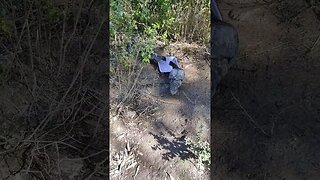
x=224 y=45
x=224 y=42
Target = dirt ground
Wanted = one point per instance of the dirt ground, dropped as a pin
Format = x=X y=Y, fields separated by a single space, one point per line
x=266 y=114
x=160 y=145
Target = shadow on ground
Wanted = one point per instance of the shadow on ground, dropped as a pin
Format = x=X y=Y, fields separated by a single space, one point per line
x=176 y=147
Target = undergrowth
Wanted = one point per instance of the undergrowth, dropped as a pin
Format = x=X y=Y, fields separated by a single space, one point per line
x=136 y=26
x=53 y=84
x=202 y=151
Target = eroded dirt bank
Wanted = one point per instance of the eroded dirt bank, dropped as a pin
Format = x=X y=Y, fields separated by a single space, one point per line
x=159 y=140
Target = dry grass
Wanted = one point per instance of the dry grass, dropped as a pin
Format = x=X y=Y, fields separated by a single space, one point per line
x=123 y=162
x=130 y=105
x=53 y=89
x=193 y=22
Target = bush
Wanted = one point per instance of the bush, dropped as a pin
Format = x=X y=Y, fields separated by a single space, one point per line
x=151 y=20
x=135 y=27
x=202 y=150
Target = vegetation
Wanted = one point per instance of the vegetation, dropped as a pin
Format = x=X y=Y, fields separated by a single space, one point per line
x=163 y=20
x=136 y=27
x=202 y=150
x=53 y=89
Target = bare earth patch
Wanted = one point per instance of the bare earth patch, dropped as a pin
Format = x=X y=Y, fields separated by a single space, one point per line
x=159 y=140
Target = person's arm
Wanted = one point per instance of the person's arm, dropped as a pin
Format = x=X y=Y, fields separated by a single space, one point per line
x=215 y=12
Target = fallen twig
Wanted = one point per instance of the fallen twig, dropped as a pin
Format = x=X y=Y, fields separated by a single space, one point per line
x=248 y=115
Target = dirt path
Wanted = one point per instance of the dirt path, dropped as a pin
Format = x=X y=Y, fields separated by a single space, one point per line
x=266 y=114
x=161 y=139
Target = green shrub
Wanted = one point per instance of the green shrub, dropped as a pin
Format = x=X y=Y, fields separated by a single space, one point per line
x=164 y=20
x=202 y=150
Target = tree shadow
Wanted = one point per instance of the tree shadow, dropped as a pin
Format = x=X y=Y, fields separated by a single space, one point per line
x=174 y=148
